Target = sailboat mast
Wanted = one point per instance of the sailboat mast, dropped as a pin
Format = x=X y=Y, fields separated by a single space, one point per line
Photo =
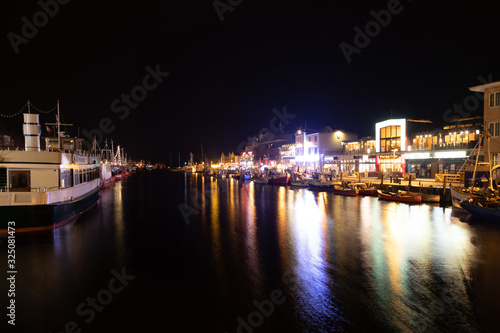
x=489 y=160
x=179 y=160
x=475 y=166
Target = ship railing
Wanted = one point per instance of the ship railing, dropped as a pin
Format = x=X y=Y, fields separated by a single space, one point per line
x=31 y=189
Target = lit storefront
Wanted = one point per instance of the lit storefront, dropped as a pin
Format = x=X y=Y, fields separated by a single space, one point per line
x=390 y=138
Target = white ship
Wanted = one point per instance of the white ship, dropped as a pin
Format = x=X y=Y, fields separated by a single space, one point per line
x=43 y=189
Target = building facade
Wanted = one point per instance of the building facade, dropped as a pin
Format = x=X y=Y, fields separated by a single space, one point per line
x=491 y=93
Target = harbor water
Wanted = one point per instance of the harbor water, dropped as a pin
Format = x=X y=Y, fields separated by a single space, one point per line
x=171 y=252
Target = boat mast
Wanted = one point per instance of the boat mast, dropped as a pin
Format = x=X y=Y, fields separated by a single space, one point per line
x=489 y=160
x=475 y=166
x=58 y=124
x=179 y=160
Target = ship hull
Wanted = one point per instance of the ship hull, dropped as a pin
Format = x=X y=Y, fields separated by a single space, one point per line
x=40 y=217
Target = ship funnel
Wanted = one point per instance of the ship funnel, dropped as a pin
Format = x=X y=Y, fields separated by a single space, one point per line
x=31 y=131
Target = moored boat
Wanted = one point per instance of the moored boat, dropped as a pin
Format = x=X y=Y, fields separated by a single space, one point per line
x=363 y=189
x=348 y=191
x=425 y=196
x=457 y=195
x=321 y=182
x=484 y=209
x=44 y=189
x=279 y=179
x=399 y=197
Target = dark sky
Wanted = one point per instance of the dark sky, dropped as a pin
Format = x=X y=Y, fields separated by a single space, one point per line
x=227 y=76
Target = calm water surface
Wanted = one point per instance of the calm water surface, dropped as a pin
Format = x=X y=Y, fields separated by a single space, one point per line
x=251 y=258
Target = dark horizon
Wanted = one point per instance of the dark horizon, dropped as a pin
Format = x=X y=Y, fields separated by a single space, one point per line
x=226 y=77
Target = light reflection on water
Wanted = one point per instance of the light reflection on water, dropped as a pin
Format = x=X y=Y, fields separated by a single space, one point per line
x=414 y=261
x=343 y=264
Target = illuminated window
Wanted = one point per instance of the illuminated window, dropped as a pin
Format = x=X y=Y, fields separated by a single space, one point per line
x=390 y=138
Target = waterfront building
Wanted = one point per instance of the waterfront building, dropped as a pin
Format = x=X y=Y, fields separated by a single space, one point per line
x=419 y=148
x=491 y=93
x=246 y=159
x=321 y=149
x=287 y=155
x=266 y=145
x=229 y=159
x=357 y=155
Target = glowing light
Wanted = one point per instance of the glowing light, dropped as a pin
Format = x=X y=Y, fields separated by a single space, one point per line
x=417 y=156
x=450 y=154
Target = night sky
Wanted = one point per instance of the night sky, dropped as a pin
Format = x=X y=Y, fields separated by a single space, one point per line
x=226 y=77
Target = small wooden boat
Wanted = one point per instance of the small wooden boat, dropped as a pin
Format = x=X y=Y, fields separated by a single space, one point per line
x=363 y=189
x=482 y=208
x=349 y=191
x=399 y=197
x=425 y=197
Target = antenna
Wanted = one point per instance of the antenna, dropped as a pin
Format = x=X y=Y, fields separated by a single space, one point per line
x=58 y=123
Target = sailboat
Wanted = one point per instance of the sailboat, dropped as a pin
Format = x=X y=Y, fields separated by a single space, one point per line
x=473 y=173
x=485 y=204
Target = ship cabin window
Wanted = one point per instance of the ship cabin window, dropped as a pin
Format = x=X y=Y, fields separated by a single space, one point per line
x=77 y=177
x=66 y=178
x=81 y=176
x=68 y=144
x=20 y=180
x=69 y=177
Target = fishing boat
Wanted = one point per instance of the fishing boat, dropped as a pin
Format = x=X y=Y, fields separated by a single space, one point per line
x=482 y=208
x=425 y=196
x=345 y=190
x=399 y=197
x=44 y=189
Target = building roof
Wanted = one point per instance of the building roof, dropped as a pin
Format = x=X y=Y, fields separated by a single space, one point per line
x=483 y=87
